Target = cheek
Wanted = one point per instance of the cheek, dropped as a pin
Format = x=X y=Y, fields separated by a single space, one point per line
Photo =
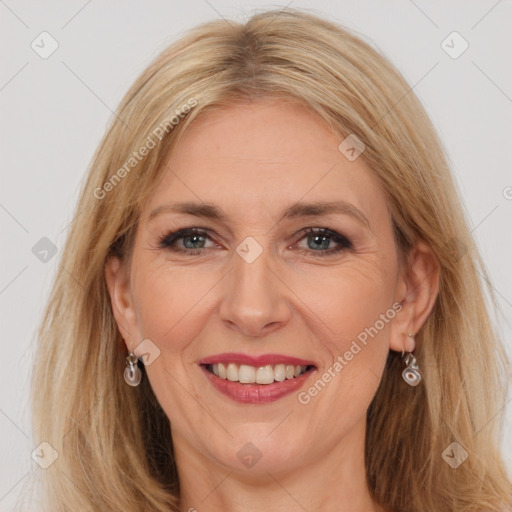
x=168 y=302
x=350 y=312
x=171 y=305
x=347 y=300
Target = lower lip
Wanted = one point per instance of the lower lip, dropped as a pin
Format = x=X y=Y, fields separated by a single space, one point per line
x=256 y=393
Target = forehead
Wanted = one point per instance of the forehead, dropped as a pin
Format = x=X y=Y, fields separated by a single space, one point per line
x=261 y=156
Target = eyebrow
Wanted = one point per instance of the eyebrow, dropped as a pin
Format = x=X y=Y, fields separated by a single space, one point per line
x=296 y=210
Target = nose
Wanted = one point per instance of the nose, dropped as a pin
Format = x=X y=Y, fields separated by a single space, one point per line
x=256 y=300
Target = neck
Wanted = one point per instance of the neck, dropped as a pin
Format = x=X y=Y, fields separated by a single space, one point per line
x=334 y=480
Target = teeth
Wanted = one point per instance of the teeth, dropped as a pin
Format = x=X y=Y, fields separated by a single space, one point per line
x=232 y=372
x=265 y=375
x=222 y=370
x=280 y=372
x=246 y=374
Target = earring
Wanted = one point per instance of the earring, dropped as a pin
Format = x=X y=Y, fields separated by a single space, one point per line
x=411 y=374
x=132 y=373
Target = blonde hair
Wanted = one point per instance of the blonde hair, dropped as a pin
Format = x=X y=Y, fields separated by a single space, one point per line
x=114 y=442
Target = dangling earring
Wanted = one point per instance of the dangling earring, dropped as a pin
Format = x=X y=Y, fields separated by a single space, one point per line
x=411 y=374
x=132 y=373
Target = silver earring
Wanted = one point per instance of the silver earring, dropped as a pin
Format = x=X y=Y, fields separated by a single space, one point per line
x=411 y=374
x=132 y=373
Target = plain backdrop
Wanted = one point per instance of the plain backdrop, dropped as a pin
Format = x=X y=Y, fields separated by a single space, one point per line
x=56 y=109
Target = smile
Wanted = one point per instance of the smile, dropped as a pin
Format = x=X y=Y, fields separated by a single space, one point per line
x=256 y=379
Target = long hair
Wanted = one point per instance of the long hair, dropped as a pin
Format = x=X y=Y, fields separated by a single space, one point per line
x=114 y=442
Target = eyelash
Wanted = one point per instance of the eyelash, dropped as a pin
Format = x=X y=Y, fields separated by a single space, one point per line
x=167 y=241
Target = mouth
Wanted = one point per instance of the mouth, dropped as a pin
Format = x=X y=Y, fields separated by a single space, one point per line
x=261 y=379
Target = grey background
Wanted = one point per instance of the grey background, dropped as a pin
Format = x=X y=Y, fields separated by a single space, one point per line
x=55 y=110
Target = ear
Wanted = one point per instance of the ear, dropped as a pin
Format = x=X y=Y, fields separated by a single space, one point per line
x=417 y=289
x=117 y=278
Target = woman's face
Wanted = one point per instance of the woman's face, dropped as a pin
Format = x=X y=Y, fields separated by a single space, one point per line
x=259 y=294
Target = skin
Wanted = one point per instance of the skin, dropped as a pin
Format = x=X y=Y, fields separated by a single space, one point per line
x=252 y=161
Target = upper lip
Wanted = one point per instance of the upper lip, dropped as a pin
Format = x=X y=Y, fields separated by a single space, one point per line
x=260 y=360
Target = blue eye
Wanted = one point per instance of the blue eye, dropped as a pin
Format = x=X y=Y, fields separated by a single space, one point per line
x=321 y=238
x=192 y=241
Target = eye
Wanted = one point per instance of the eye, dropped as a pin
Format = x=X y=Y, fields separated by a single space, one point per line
x=319 y=240
x=193 y=241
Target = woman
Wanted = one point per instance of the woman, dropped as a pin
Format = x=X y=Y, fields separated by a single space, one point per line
x=269 y=297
